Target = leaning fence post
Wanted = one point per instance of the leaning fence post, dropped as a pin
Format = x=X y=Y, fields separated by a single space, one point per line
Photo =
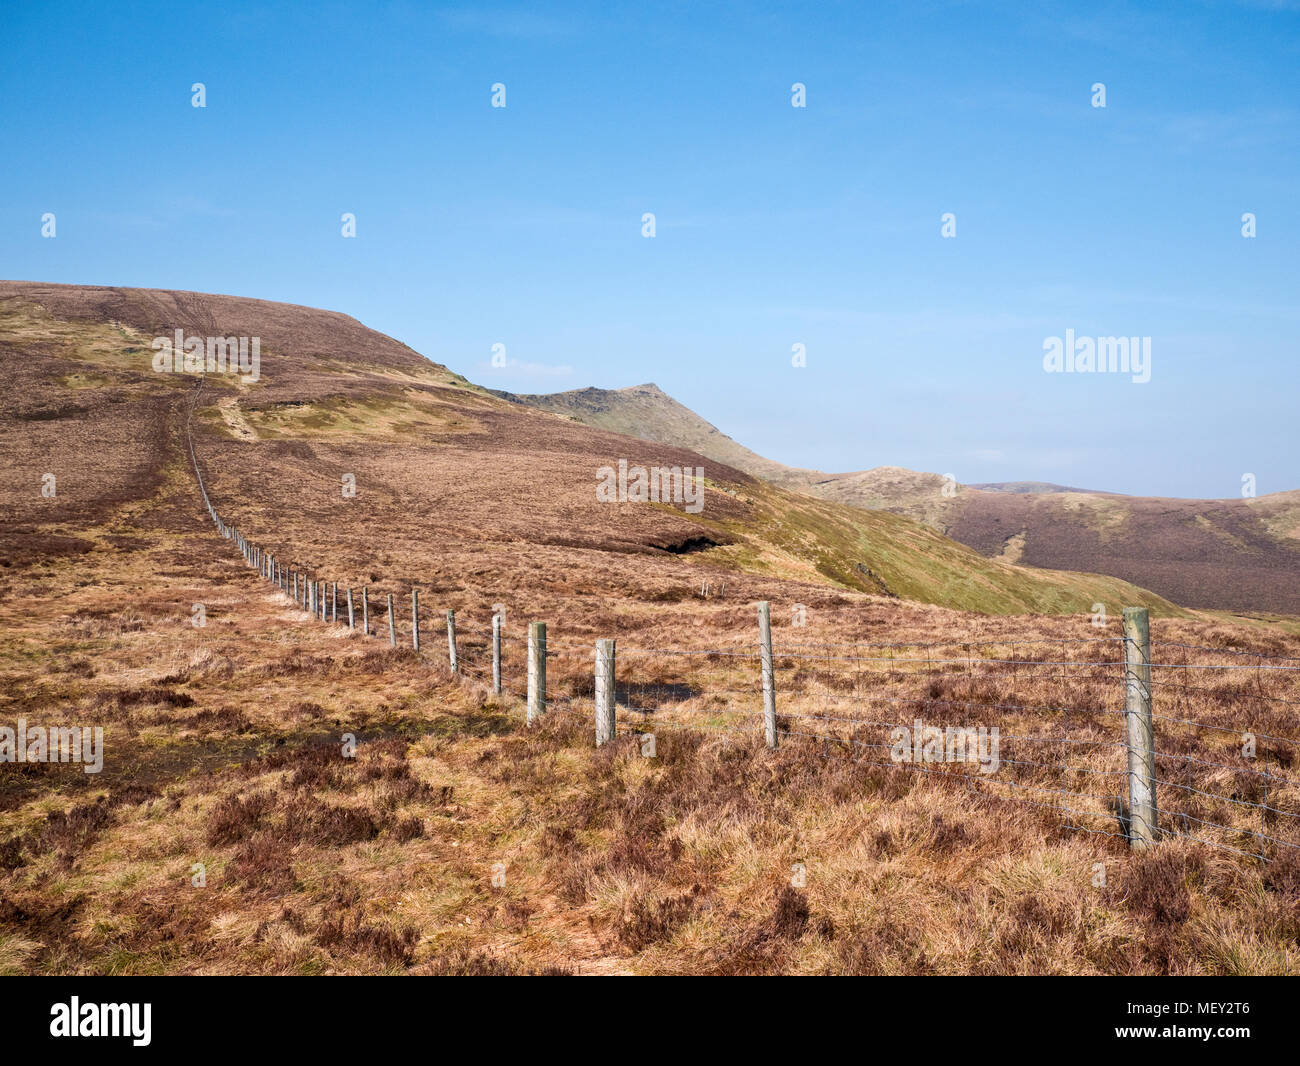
x=604 y=692
x=496 y=654
x=392 y=623
x=352 y=619
x=536 y=670
x=365 y=610
x=415 y=619
x=451 y=640
x=1139 y=734
x=769 y=683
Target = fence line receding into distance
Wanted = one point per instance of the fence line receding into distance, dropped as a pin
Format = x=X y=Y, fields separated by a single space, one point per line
x=1109 y=739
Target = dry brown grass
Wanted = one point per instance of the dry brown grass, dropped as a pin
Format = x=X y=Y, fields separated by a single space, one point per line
x=613 y=862
x=459 y=842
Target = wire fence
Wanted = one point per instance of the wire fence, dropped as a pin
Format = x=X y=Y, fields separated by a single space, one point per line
x=1045 y=723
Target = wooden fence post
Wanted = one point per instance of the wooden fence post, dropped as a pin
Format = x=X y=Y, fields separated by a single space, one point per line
x=392 y=623
x=352 y=620
x=451 y=641
x=334 y=602
x=536 y=670
x=1139 y=734
x=496 y=655
x=605 y=723
x=415 y=619
x=365 y=610
x=769 y=682
x=321 y=599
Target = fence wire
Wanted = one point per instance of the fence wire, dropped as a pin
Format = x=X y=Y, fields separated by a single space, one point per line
x=1035 y=721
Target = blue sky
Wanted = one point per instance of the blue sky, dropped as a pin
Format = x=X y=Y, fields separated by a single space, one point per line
x=775 y=225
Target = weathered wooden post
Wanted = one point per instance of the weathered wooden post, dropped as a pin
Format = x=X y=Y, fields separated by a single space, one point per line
x=536 y=670
x=605 y=723
x=352 y=620
x=334 y=602
x=451 y=641
x=1139 y=733
x=311 y=597
x=496 y=655
x=365 y=610
x=320 y=600
x=769 y=681
x=415 y=619
x=392 y=623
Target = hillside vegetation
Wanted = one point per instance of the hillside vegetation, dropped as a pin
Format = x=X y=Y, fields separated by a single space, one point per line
x=228 y=832
x=1233 y=554
x=445 y=470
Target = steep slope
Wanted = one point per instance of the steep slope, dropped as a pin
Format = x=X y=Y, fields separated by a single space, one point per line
x=1241 y=555
x=455 y=488
x=649 y=413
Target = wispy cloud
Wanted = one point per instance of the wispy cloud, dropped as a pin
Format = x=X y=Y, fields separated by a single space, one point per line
x=531 y=370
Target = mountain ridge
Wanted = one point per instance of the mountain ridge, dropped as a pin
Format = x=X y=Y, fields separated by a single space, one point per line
x=468 y=490
x=1215 y=553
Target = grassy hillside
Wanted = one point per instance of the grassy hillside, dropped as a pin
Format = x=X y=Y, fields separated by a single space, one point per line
x=1233 y=554
x=222 y=741
x=438 y=460
x=649 y=413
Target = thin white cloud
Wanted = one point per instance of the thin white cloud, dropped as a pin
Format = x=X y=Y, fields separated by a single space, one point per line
x=532 y=370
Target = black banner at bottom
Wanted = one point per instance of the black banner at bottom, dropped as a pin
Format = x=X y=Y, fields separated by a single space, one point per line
x=147 y=1015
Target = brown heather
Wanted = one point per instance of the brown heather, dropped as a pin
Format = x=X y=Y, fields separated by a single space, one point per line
x=223 y=744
